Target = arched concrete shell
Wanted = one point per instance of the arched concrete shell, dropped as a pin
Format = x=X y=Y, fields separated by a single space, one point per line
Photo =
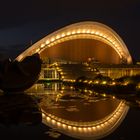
x=85 y=30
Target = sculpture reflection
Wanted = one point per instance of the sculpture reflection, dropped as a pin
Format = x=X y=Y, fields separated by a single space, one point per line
x=82 y=116
x=19 y=108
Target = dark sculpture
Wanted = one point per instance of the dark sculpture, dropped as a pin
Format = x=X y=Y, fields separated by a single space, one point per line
x=18 y=76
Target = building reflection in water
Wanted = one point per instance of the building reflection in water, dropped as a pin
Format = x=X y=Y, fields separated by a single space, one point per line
x=79 y=115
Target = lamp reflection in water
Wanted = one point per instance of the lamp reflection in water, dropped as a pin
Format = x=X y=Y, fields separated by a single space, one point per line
x=87 y=119
x=87 y=130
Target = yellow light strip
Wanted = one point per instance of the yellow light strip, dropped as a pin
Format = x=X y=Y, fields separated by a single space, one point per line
x=95 y=29
x=59 y=38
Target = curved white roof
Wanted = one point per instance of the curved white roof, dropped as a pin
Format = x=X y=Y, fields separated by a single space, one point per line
x=87 y=29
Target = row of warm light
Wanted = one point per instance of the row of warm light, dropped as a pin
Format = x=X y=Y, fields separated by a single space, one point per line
x=56 y=66
x=69 y=80
x=82 y=124
x=62 y=74
x=58 y=69
x=97 y=82
x=96 y=93
x=85 y=81
x=103 y=82
x=58 y=38
x=83 y=128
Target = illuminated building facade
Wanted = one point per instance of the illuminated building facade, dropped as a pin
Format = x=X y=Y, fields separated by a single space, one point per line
x=80 y=41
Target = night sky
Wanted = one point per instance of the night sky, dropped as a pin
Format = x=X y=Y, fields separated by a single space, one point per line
x=22 y=21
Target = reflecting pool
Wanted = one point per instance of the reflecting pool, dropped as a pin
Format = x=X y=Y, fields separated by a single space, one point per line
x=82 y=115
x=55 y=111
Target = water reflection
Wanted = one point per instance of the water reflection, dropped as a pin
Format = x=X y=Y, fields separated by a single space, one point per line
x=19 y=109
x=79 y=115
